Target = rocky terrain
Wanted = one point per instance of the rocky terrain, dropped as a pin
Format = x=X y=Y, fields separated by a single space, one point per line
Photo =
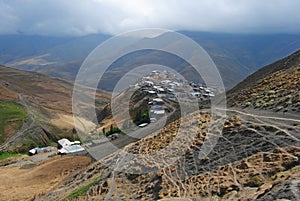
x=256 y=157
x=275 y=87
x=251 y=158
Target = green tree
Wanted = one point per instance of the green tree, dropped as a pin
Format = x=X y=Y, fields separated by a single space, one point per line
x=74 y=131
x=138 y=117
x=111 y=129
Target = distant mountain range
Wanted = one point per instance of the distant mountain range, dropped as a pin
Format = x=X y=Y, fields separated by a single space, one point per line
x=235 y=55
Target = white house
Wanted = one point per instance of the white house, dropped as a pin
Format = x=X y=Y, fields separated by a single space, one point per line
x=143 y=125
x=159 y=112
x=151 y=93
x=71 y=149
x=195 y=94
x=160 y=90
x=63 y=143
x=65 y=146
x=158 y=101
x=165 y=82
x=148 y=83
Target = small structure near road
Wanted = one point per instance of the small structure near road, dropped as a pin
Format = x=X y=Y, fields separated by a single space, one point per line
x=38 y=150
x=65 y=146
x=65 y=143
x=158 y=101
x=71 y=149
x=113 y=136
x=143 y=125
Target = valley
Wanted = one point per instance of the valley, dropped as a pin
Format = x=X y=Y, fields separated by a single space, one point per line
x=255 y=156
x=235 y=55
x=137 y=100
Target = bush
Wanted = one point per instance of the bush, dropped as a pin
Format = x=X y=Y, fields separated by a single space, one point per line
x=112 y=130
x=141 y=117
x=255 y=181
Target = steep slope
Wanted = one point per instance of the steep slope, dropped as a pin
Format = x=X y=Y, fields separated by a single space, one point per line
x=11 y=120
x=274 y=87
x=248 y=159
x=48 y=104
x=257 y=157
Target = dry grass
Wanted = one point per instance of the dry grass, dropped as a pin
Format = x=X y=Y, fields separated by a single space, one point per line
x=24 y=184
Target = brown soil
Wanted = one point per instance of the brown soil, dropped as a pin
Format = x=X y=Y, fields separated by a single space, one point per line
x=25 y=184
x=253 y=153
x=48 y=102
x=7 y=95
x=274 y=87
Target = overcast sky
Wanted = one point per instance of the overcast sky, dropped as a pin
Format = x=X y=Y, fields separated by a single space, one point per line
x=80 y=17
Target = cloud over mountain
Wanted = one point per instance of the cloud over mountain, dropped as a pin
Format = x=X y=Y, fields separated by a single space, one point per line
x=77 y=17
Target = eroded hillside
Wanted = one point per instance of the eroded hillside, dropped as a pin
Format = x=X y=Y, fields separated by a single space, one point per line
x=251 y=156
x=274 y=87
x=256 y=157
x=48 y=105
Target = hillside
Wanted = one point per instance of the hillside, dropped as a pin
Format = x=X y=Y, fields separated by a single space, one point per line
x=257 y=157
x=233 y=169
x=11 y=120
x=24 y=182
x=274 y=87
x=47 y=102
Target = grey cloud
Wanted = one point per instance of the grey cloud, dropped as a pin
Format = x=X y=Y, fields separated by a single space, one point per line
x=79 y=17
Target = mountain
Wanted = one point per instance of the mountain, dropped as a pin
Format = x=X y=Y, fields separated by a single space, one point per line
x=236 y=55
x=61 y=49
x=38 y=109
x=274 y=87
x=256 y=157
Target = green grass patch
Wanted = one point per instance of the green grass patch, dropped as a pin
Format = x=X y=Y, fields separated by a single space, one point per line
x=82 y=190
x=12 y=116
x=6 y=155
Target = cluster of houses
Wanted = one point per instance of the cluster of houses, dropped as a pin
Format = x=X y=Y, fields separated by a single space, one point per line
x=64 y=146
x=199 y=90
x=160 y=85
x=165 y=84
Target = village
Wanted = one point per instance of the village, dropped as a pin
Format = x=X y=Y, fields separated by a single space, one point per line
x=160 y=86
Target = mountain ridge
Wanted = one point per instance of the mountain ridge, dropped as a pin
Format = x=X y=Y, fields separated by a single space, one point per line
x=236 y=55
x=274 y=87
